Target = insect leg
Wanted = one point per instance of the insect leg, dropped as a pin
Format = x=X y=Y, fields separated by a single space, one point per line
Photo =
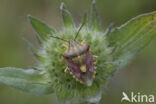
x=64 y=45
x=95 y=58
x=66 y=70
x=83 y=42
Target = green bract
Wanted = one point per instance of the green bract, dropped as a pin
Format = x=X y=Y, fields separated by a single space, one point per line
x=114 y=49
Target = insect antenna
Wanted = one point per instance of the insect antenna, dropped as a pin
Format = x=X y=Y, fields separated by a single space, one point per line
x=79 y=31
x=59 y=38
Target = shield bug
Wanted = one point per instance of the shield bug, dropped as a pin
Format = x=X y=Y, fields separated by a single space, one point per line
x=80 y=62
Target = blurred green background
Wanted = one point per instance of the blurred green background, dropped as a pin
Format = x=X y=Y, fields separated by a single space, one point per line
x=139 y=76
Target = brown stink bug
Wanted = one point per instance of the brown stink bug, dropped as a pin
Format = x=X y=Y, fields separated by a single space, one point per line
x=79 y=60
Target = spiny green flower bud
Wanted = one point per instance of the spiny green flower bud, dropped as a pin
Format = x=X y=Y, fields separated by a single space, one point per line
x=64 y=62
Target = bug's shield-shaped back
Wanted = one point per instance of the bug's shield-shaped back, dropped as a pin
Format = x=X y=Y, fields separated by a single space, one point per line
x=80 y=62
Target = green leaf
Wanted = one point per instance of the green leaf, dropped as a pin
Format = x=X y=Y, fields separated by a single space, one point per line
x=94 y=21
x=67 y=18
x=84 y=20
x=29 y=80
x=43 y=30
x=34 y=51
x=132 y=37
